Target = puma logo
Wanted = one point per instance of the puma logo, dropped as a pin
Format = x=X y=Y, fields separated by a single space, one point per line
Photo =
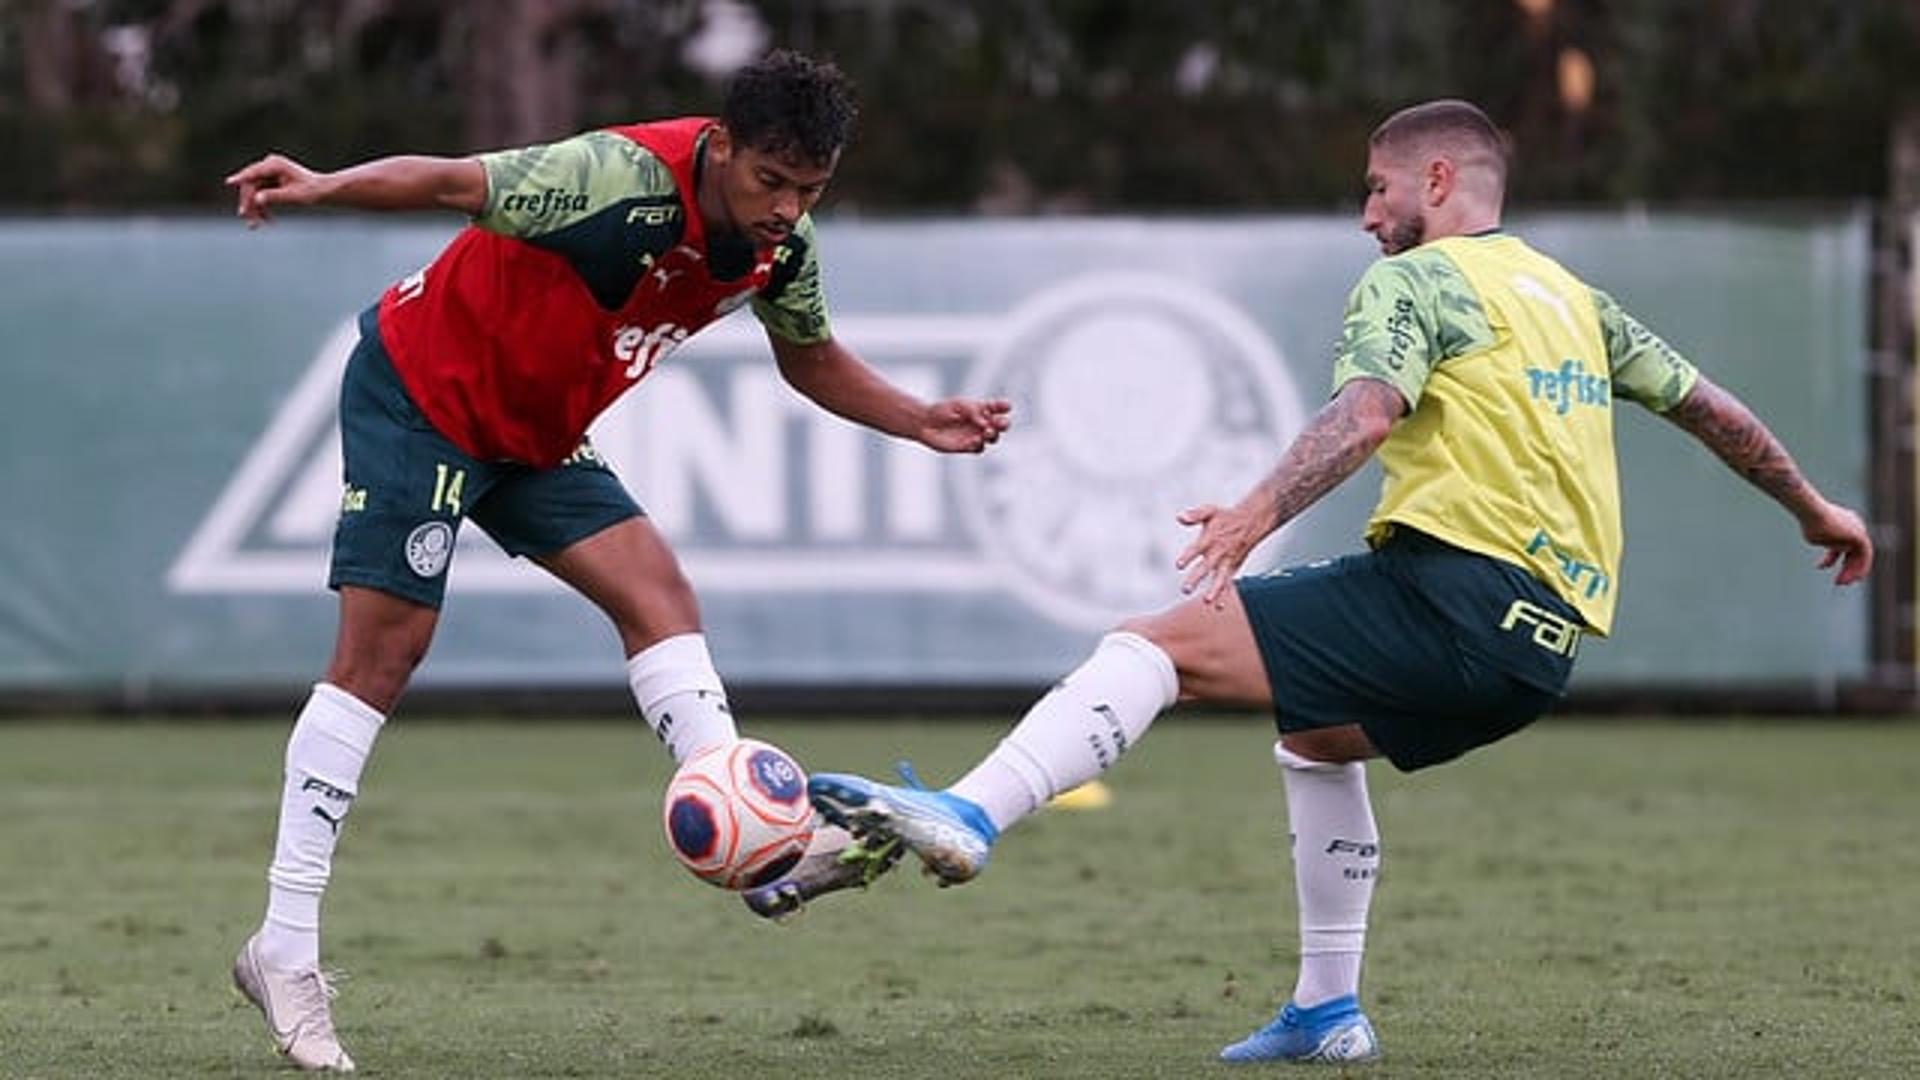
x=332 y=822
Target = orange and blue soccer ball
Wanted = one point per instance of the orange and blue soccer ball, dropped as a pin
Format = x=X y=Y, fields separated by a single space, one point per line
x=737 y=815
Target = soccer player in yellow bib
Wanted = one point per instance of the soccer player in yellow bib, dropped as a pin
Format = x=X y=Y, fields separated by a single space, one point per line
x=1483 y=375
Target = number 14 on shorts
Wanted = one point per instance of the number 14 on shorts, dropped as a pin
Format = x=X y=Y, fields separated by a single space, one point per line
x=447 y=483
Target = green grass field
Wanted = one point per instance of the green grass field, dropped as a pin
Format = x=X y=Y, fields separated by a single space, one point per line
x=1592 y=898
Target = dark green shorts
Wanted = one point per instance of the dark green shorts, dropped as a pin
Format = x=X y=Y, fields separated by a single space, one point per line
x=408 y=489
x=1432 y=650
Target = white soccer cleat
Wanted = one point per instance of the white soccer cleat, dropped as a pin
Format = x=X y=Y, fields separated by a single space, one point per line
x=833 y=862
x=295 y=1004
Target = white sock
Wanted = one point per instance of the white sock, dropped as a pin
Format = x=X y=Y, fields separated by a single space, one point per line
x=680 y=695
x=328 y=747
x=1336 y=858
x=1077 y=731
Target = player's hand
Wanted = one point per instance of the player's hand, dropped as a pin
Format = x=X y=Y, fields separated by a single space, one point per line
x=274 y=180
x=965 y=425
x=1227 y=535
x=1844 y=535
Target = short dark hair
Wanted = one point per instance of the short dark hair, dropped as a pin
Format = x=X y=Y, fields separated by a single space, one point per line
x=1458 y=126
x=786 y=103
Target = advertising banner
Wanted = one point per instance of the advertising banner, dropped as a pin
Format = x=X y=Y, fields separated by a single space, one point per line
x=172 y=465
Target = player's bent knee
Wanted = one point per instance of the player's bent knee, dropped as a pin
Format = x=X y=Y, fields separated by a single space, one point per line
x=1175 y=632
x=644 y=618
x=1287 y=759
x=1323 y=749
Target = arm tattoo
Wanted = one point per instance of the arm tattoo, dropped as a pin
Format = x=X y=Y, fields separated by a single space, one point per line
x=1337 y=441
x=1731 y=431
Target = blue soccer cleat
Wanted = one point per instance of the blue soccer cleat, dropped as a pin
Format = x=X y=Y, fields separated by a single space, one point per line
x=1333 y=1031
x=952 y=835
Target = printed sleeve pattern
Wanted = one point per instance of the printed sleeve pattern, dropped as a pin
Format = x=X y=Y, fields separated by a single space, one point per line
x=536 y=190
x=1388 y=332
x=794 y=303
x=600 y=200
x=1644 y=367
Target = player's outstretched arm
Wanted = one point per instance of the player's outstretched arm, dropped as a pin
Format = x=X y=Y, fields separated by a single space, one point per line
x=830 y=375
x=409 y=182
x=1337 y=441
x=1727 y=427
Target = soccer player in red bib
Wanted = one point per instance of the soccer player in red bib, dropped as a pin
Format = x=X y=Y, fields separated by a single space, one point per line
x=586 y=263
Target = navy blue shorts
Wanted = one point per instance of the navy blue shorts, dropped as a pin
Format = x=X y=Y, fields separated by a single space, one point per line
x=1432 y=650
x=408 y=489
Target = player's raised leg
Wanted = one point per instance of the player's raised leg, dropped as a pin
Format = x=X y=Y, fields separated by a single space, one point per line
x=607 y=551
x=624 y=566
x=381 y=639
x=629 y=572
x=1077 y=731
x=1071 y=735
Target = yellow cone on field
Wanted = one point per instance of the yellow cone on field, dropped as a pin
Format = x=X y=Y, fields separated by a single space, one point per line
x=1092 y=795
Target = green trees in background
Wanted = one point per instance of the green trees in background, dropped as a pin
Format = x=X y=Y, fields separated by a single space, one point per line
x=995 y=105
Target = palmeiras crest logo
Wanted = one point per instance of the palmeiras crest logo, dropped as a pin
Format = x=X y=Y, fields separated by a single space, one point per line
x=429 y=546
x=1139 y=396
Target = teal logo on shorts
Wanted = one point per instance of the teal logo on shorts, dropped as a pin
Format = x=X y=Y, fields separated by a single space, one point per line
x=429 y=547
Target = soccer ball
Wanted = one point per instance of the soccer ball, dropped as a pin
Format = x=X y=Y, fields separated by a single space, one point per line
x=737 y=814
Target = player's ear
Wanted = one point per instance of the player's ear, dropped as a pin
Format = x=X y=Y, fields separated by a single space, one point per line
x=1440 y=178
x=719 y=147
